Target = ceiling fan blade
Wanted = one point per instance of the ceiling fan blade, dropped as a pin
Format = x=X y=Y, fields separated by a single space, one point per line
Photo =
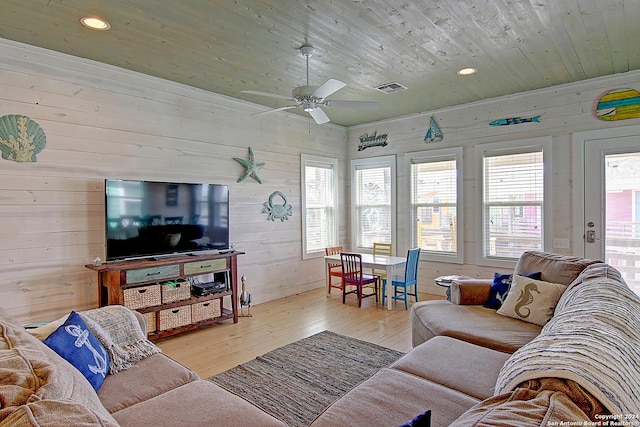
x=327 y=88
x=362 y=105
x=319 y=116
x=288 y=107
x=272 y=95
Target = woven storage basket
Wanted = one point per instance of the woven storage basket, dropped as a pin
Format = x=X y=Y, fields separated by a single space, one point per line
x=142 y=296
x=151 y=321
x=174 y=317
x=205 y=310
x=175 y=290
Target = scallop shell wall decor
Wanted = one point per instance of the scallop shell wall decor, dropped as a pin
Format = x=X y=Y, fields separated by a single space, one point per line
x=20 y=138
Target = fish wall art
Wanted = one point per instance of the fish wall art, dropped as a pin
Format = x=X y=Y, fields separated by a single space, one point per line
x=515 y=121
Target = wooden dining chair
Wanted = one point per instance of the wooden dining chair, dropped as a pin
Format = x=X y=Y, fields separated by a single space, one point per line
x=334 y=270
x=382 y=249
x=352 y=275
x=409 y=281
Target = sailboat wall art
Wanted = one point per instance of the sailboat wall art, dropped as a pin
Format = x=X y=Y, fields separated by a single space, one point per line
x=433 y=133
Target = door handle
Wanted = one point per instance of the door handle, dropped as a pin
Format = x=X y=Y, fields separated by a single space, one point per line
x=590 y=237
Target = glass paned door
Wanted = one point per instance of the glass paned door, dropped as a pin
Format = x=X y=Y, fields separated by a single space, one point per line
x=612 y=217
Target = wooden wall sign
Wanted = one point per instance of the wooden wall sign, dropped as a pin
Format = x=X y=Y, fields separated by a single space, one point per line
x=374 y=140
x=20 y=138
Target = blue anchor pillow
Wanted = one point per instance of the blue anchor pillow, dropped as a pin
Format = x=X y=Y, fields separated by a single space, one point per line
x=75 y=343
x=500 y=288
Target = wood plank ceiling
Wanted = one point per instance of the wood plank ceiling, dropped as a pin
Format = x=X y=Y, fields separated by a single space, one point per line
x=228 y=46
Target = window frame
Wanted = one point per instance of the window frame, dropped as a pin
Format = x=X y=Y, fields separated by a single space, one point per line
x=328 y=163
x=432 y=156
x=373 y=163
x=508 y=148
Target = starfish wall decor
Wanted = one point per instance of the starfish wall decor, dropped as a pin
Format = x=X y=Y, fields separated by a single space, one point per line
x=250 y=167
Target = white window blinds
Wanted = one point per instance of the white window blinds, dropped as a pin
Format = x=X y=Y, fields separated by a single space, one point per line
x=513 y=198
x=319 y=204
x=434 y=213
x=373 y=205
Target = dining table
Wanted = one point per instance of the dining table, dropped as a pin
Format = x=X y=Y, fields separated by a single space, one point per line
x=378 y=262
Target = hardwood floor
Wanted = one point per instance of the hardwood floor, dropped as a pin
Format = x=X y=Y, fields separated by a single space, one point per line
x=215 y=349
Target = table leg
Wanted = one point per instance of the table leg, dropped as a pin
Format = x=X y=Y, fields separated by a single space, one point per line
x=389 y=287
x=326 y=277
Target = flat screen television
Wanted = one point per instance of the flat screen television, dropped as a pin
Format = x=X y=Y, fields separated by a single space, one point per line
x=150 y=219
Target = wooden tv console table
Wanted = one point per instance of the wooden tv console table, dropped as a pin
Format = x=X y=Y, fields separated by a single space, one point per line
x=152 y=287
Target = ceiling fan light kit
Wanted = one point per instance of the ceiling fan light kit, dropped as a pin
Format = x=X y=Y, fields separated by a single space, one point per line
x=310 y=98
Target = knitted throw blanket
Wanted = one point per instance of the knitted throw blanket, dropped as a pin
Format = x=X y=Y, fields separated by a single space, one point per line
x=594 y=340
x=118 y=330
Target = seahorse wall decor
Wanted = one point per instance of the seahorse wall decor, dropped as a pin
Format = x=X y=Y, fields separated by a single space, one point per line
x=20 y=138
x=526 y=298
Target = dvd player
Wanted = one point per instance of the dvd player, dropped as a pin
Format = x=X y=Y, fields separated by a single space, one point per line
x=209 y=288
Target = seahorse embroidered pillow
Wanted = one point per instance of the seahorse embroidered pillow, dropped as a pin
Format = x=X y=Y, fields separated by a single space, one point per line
x=531 y=300
x=75 y=343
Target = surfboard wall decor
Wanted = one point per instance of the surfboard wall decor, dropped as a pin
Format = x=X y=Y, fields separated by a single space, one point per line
x=619 y=104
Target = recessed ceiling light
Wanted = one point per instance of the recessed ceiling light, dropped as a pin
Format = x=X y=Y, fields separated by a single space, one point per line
x=95 y=23
x=467 y=71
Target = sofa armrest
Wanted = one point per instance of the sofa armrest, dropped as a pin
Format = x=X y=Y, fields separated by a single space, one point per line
x=470 y=291
x=141 y=320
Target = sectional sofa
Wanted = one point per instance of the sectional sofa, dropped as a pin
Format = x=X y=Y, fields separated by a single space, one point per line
x=477 y=366
x=40 y=388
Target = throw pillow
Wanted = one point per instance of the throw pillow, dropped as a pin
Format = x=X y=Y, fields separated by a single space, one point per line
x=531 y=300
x=75 y=343
x=421 y=420
x=42 y=332
x=500 y=288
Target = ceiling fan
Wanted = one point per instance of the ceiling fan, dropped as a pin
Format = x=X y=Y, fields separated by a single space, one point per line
x=310 y=98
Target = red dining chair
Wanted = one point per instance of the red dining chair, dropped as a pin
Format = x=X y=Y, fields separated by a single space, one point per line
x=353 y=276
x=334 y=270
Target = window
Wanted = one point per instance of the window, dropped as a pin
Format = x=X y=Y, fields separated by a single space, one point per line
x=319 y=204
x=435 y=180
x=373 y=205
x=515 y=213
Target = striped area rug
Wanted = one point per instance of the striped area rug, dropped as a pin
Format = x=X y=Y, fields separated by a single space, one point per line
x=296 y=382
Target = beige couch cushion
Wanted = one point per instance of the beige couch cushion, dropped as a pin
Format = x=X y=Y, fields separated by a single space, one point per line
x=198 y=403
x=455 y=364
x=554 y=267
x=148 y=378
x=472 y=323
x=31 y=371
x=392 y=397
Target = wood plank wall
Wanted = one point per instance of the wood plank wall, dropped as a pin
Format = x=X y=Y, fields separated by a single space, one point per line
x=564 y=109
x=104 y=122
